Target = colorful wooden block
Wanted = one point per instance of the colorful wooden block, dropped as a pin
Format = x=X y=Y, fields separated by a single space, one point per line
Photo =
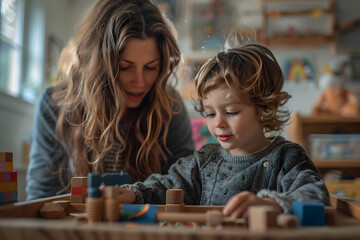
x=6 y=177
x=8 y=186
x=78 y=198
x=13 y=177
x=79 y=190
x=309 y=213
x=2 y=197
x=3 y=167
x=6 y=156
x=94 y=192
x=9 y=166
x=79 y=181
x=8 y=197
x=262 y=218
x=111 y=179
x=94 y=180
x=6 y=166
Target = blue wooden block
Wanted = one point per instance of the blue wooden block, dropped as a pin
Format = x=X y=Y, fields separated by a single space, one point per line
x=94 y=192
x=94 y=180
x=137 y=213
x=309 y=213
x=111 y=179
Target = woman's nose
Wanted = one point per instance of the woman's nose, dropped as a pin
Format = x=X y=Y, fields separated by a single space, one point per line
x=138 y=79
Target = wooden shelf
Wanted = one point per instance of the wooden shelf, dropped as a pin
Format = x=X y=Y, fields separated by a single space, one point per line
x=304 y=40
x=297 y=13
x=337 y=164
x=311 y=38
x=301 y=127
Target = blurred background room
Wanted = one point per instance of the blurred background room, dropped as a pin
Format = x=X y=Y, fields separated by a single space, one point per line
x=317 y=44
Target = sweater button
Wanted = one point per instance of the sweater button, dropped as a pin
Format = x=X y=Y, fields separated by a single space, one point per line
x=265 y=164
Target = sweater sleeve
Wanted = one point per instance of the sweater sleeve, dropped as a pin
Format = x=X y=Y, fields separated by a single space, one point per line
x=179 y=139
x=184 y=174
x=298 y=180
x=47 y=153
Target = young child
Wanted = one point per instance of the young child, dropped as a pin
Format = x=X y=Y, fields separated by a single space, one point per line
x=239 y=93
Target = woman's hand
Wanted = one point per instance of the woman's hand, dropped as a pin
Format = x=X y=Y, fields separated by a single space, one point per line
x=126 y=196
x=239 y=204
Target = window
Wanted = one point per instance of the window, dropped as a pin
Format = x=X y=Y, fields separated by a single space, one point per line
x=11 y=29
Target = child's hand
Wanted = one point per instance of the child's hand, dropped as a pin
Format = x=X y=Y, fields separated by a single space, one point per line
x=126 y=196
x=239 y=204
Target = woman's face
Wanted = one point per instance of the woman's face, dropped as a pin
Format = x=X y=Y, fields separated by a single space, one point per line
x=139 y=69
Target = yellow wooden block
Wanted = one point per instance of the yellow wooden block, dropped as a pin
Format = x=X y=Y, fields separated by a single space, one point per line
x=9 y=166
x=8 y=186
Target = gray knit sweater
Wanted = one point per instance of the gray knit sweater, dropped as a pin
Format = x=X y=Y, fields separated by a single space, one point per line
x=211 y=176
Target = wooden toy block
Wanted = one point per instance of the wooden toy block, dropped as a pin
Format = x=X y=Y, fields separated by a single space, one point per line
x=13 y=176
x=65 y=205
x=6 y=156
x=9 y=166
x=214 y=218
x=8 y=186
x=111 y=205
x=111 y=210
x=287 y=221
x=262 y=218
x=78 y=190
x=78 y=198
x=79 y=182
x=8 y=197
x=6 y=166
x=94 y=180
x=175 y=200
x=175 y=207
x=111 y=179
x=11 y=196
x=110 y=192
x=8 y=176
x=52 y=210
x=330 y=218
x=309 y=213
x=175 y=196
x=94 y=192
x=94 y=208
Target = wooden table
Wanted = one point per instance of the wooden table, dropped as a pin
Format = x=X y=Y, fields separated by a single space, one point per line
x=23 y=221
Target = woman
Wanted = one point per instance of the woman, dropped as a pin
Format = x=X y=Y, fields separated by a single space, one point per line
x=111 y=108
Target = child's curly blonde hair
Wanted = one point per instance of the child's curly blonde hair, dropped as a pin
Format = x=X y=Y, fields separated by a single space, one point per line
x=254 y=74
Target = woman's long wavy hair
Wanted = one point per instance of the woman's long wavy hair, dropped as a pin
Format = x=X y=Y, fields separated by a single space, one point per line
x=254 y=74
x=91 y=100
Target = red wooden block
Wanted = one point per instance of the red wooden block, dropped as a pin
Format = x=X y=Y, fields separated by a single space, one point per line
x=78 y=191
x=5 y=177
x=13 y=177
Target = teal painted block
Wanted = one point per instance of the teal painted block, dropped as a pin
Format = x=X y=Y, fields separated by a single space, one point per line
x=309 y=213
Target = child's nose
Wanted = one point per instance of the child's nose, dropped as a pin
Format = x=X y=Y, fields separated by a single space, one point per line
x=220 y=122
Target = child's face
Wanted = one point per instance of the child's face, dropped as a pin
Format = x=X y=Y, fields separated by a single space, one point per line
x=234 y=124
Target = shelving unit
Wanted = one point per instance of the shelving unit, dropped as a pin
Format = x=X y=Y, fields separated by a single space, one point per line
x=302 y=29
x=301 y=127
